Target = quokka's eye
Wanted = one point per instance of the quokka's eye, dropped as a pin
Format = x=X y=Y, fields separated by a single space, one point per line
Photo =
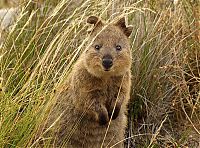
x=118 y=47
x=97 y=47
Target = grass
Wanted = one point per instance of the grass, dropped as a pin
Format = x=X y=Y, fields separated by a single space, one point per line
x=43 y=44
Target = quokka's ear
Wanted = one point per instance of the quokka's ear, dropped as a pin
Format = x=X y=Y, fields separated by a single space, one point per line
x=94 y=20
x=122 y=24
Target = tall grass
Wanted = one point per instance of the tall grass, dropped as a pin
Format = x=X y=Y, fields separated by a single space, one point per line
x=40 y=49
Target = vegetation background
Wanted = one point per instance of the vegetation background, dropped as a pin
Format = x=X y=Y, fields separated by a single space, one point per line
x=39 y=49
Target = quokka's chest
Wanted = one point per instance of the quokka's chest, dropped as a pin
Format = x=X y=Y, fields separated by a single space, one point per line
x=107 y=91
x=105 y=88
x=112 y=90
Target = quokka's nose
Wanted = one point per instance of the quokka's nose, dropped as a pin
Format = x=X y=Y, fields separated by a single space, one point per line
x=107 y=62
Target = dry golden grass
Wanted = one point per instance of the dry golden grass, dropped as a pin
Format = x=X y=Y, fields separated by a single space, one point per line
x=46 y=40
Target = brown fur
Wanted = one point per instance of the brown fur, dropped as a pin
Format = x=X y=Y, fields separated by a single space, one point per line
x=90 y=93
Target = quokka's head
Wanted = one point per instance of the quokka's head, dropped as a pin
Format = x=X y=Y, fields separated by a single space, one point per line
x=108 y=53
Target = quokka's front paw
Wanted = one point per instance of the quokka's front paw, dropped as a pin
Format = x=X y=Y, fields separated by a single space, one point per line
x=100 y=118
x=103 y=118
x=116 y=111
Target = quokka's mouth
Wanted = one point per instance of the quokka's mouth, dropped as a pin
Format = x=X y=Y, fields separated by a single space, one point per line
x=106 y=69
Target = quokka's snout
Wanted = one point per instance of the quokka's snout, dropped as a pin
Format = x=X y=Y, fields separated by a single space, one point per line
x=107 y=62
